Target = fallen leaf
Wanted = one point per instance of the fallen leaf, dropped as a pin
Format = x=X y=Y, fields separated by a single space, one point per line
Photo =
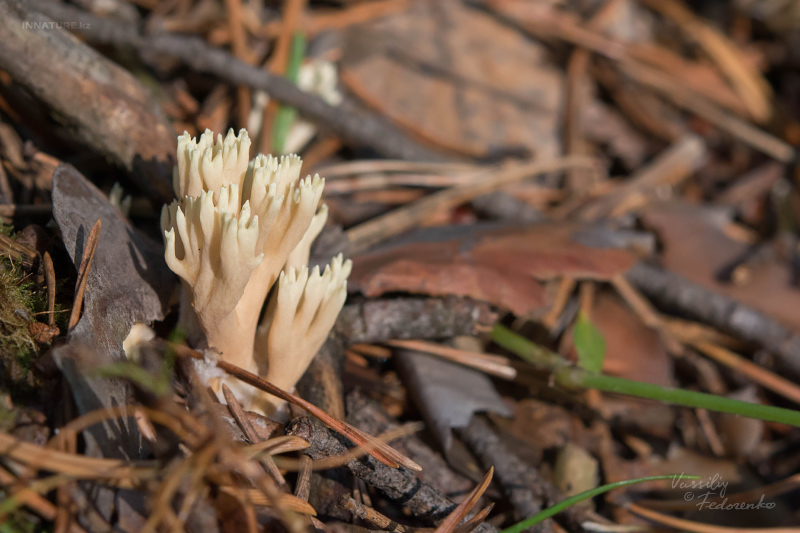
x=465 y=69
x=128 y=282
x=499 y=265
x=43 y=333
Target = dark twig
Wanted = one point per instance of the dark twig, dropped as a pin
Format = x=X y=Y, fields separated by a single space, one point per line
x=676 y=292
x=528 y=491
x=397 y=484
x=372 y=516
x=249 y=431
x=101 y=103
x=376 y=448
x=345 y=120
x=374 y=321
x=368 y=415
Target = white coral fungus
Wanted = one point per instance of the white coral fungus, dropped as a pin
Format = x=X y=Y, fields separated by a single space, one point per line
x=237 y=227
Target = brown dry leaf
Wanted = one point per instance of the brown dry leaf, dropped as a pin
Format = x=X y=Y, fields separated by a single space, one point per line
x=438 y=269
x=43 y=333
x=497 y=265
x=540 y=426
x=697 y=246
x=463 y=70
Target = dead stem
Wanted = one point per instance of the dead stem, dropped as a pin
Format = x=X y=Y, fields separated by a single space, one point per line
x=377 y=449
x=83 y=273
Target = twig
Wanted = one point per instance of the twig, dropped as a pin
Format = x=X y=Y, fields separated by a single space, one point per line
x=562 y=27
x=576 y=96
x=239 y=45
x=71 y=464
x=395 y=222
x=64 y=515
x=746 y=81
x=340 y=19
x=249 y=431
x=11 y=248
x=710 y=432
x=85 y=89
x=83 y=273
x=287 y=463
x=384 y=453
x=371 y=166
x=673 y=291
x=450 y=524
x=401 y=485
x=276 y=445
x=565 y=288
x=50 y=278
x=488 y=363
x=256 y=497
x=762 y=376
x=38 y=504
x=528 y=492
x=375 y=321
x=347 y=121
x=646 y=313
x=674 y=165
x=736 y=127
x=372 y=516
x=302 y=488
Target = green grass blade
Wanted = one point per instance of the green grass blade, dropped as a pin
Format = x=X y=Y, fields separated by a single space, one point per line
x=557 y=508
x=286 y=115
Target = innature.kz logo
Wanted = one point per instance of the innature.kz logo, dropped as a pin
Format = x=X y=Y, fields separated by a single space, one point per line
x=51 y=25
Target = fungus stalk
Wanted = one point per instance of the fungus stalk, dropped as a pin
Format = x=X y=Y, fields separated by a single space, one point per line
x=238 y=227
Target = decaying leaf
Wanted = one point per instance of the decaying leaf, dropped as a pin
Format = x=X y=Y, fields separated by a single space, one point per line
x=448 y=394
x=500 y=265
x=128 y=282
x=465 y=70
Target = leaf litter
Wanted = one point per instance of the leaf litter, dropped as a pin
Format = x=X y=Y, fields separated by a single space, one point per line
x=648 y=148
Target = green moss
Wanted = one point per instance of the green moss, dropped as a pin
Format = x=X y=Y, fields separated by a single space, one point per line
x=17 y=301
x=20 y=302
